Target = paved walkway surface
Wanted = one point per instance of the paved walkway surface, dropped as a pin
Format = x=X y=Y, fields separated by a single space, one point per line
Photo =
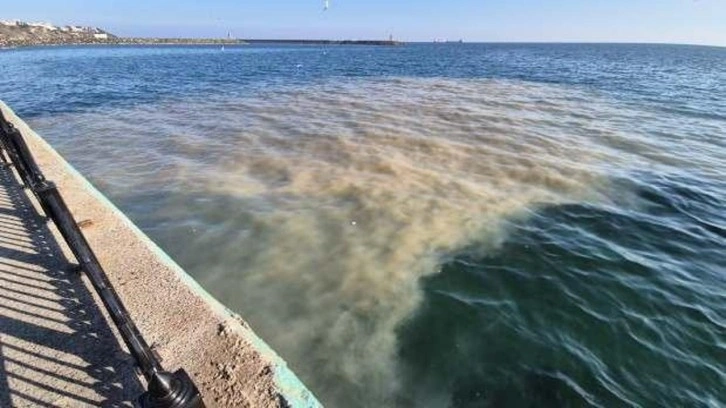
x=56 y=346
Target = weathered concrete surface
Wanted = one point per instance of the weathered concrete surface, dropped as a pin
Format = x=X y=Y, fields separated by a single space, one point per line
x=56 y=348
x=187 y=327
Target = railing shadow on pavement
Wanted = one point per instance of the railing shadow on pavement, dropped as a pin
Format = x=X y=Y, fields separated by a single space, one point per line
x=55 y=345
x=163 y=389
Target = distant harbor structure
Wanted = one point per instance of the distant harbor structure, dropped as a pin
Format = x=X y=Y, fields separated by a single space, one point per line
x=440 y=41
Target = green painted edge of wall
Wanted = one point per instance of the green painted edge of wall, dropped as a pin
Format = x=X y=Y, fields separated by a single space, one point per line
x=288 y=384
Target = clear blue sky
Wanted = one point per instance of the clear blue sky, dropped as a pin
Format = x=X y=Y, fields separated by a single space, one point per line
x=679 y=21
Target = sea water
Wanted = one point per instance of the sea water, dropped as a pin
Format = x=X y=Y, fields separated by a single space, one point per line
x=441 y=225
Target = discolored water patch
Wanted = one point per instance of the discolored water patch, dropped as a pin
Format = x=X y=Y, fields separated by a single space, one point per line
x=316 y=210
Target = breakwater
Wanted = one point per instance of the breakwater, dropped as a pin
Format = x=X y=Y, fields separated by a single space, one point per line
x=323 y=42
x=187 y=41
x=32 y=42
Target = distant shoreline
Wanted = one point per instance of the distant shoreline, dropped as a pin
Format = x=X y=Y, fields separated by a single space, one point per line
x=323 y=42
x=194 y=41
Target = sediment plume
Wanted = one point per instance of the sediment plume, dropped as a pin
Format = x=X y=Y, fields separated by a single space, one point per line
x=314 y=211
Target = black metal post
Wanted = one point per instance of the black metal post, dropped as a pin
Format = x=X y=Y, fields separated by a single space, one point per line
x=6 y=136
x=165 y=390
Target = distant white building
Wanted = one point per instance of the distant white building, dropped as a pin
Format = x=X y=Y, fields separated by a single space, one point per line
x=97 y=33
x=47 y=26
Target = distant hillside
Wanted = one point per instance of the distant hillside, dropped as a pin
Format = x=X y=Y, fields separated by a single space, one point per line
x=18 y=33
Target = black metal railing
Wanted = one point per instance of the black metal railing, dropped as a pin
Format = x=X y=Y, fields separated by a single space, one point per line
x=164 y=389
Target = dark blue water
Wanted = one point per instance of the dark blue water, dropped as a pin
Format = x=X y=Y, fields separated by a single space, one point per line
x=426 y=225
x=673 y=77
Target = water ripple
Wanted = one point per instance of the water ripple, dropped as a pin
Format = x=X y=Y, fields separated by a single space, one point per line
x=501 y=225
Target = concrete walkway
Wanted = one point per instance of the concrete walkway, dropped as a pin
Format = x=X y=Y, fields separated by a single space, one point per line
x=56 y=347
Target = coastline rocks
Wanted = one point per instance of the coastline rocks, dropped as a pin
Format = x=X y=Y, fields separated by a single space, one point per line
x=21 y=34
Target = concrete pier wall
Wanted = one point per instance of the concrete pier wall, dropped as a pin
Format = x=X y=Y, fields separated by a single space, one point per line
x=187 y=327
